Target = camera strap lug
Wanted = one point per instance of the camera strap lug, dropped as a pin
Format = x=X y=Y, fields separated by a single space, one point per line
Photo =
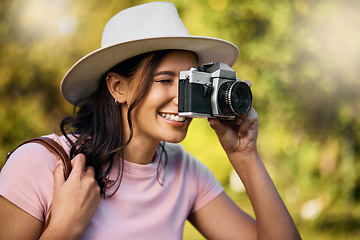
x=207 y=88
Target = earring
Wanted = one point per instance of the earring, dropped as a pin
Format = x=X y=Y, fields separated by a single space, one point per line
x=117 y=103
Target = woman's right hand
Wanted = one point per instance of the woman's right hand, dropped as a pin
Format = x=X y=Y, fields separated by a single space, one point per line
x=74 y=201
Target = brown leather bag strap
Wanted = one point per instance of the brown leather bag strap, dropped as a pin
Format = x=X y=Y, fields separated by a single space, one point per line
x=55 y=148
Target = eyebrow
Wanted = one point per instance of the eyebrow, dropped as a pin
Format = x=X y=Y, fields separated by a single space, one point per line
x=171 y=73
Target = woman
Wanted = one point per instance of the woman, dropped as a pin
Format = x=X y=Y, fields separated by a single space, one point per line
x=130 y=179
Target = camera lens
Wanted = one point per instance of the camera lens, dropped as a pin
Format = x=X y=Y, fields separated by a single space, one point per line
x=234 y=98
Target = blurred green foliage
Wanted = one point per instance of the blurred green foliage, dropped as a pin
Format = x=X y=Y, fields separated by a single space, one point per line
x=302 y=57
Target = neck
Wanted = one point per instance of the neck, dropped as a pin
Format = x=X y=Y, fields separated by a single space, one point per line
x=140 y=152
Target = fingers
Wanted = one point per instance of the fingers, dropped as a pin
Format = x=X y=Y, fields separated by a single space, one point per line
x=79 y=167
x=59 y=178
x=217 y=126
x=245 y=121
x=242 y=122
x=78 y=163
x=90 y=171
x=239 y=120
x=244 y=126
x=247 y=82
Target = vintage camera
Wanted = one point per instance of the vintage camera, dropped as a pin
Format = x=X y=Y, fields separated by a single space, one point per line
x=212 y=90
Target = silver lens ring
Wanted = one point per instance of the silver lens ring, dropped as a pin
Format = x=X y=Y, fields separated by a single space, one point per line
x=229 y=89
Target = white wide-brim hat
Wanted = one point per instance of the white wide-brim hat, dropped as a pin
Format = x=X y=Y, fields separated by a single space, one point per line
x=134 y=31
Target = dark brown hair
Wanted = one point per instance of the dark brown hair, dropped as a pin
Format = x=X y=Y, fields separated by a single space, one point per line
x=98 y=125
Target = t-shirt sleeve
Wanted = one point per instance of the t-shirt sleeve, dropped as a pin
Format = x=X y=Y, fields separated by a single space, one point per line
x=27 y=181
x=208 y=187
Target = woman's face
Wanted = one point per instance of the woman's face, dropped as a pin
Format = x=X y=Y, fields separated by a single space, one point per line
x=156 y=117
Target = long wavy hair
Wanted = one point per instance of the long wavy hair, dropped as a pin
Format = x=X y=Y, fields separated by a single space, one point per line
x=98 y=125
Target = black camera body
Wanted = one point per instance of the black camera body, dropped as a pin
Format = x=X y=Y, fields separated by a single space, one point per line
x=212 y=90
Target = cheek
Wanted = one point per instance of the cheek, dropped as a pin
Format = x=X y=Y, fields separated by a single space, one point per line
x=157 y=96
x=151 y=103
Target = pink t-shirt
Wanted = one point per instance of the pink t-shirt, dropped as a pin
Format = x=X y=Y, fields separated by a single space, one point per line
x=140 y=209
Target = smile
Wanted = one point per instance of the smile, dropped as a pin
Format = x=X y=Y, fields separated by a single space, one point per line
x=172 y=117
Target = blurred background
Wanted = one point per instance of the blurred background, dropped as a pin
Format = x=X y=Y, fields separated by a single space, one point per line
x=302 y=57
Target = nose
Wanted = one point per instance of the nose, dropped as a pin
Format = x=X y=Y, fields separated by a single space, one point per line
x=175 y=93
x=176 y=101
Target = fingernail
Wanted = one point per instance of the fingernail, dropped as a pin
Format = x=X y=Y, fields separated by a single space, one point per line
x=239 y=121
x=211 y=121
x=60 y=164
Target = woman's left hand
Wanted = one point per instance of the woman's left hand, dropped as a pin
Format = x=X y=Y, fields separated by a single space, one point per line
x=239 y=135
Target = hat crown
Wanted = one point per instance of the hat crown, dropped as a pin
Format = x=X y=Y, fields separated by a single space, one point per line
x=151 y=20
x=134 y=31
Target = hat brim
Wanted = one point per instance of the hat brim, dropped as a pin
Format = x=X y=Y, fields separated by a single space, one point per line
x=83 y=77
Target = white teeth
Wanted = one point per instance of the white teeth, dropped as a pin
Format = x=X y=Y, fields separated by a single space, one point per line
x=173 y=117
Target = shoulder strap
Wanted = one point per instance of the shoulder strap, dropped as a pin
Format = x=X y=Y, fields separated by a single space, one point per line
x=52 y=146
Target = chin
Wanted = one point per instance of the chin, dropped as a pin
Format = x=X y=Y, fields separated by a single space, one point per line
x=175 y=135
x=177 y=139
